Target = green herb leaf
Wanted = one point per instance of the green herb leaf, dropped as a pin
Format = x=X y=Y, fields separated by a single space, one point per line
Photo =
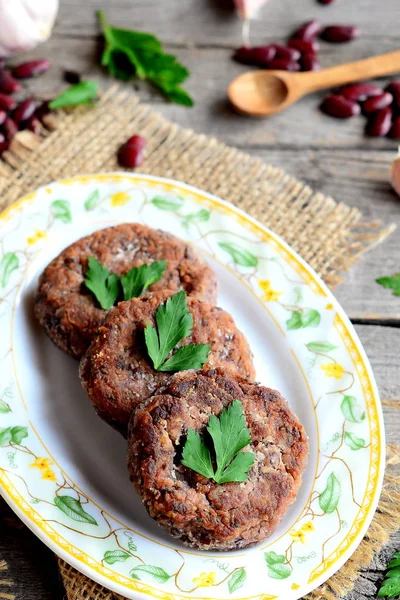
x=192 y=356
x=391 y=282
x=18 y=433
x=81 y=93
x=329 y=498
x=61 y=210
x=8 y=264
x=168 y=203
x=73 y=509
x=391 y=584
x=128 y=53
x=5 y=436
x=93 y=200
x=103 y=284
x=230 y=435
x=354 y=442
x=113 y=556
x=240 y=255
x=320 y=347
x=4 y=407
x=351 y=410
x=156 y=573
x=174 y=322
x=138 y=279
x=237 y=579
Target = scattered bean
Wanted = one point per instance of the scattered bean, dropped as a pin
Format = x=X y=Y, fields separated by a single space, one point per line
x=285 y=52
x=308 y=31
x=338 y=34
x=2 y=138
x=33 y=124
x=309 y=62
x=380 y=123
x=283 y=64
x=131 y=154
x=377 y=103
x=24 y=110
x=8 y=84
x=10 y=128
x=361 y=91
x=4 y=147
x=394 y=89
x=256 y=56
x=340 y=107
x=7 y=102
x=3 y=116
x=304 y=46
x=31 y=68
x=326 y=1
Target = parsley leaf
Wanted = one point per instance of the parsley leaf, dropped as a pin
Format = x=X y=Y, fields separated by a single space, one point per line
x=134 y=53
x=174 y=322
x=230 y=435
x=138 y=279
x=81 y=93
x=391 y=584
x=392 y=283
x=103 y=284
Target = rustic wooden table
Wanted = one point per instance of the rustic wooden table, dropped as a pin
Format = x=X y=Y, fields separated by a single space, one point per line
x=330 y=155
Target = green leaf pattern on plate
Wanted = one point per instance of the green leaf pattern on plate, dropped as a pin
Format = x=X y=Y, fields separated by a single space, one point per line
x=73 y=509
x=61 y=211
x=329 y=498
x=240 y=255
x=8 y=264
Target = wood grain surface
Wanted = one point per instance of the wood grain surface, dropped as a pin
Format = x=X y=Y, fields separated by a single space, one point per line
x=330 y=155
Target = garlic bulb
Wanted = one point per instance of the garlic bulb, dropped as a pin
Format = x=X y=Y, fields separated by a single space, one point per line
x=396 y=174
x=25 y=23
x=247 y=9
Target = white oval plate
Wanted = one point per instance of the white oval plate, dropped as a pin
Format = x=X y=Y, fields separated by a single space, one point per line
x=63 y=470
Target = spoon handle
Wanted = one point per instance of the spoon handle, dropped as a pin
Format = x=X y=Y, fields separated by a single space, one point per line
x=369 y=68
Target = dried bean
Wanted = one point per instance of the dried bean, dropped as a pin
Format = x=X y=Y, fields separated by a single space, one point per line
x=326 y=1
x=309 y=62
x=283 y=64
x=3 y=116
x=256 y=56
x=394 y=132
x=4 y=147
x=377 y=103
x=308 y=31
x=394 y=89
x=338 y=34
x=380 y=123
x=24 y=110
x=7 y=102
x=42 y=111
x=2 y=138
x=304 y=46
x=131 y=154
x=285 y=52
x=31 y=68
x=33 y=124
x=10 y=128
x=361 y=91
x=8 y=84
x=340 y=107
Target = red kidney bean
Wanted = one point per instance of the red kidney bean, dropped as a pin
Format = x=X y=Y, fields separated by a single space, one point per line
x=131 y=154
x=7 y=102
x=31 y=68
x=8 y=84
x=256 y=56
x=2 y=138
x=394 y=131
x=304 y=46
x=377 y=103
x=380 y=123
x=308 y=31
x=340 y=107
x=326 y=1
x=283 y=64
x=285 y=52
x=24 y=110
x=33 y=124
x=4 y=147
x=42 y=111
x=338 y=34
x=361 y=91
x=309 y=62
x=394 y=89
x=10 y=128
x=2 y=63
x=3 y=116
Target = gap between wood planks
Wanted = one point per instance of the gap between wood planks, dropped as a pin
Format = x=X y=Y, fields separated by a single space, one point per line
x=382 y=322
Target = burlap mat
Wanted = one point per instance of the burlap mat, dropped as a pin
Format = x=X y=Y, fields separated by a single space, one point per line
x=330 y=236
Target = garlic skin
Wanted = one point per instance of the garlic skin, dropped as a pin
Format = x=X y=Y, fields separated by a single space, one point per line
x=25 y=23
x=247 y=9
x=395 y=175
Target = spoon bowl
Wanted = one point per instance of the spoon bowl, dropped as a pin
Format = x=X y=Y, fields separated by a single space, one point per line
x=264 y=93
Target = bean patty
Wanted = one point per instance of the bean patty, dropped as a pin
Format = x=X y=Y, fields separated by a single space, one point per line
x=193 y=508
x=70 y=313
x=117 y=372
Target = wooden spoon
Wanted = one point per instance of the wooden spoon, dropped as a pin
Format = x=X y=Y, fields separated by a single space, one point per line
x=264 y=93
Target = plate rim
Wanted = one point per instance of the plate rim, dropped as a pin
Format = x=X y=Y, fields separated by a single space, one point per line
x=91 y=572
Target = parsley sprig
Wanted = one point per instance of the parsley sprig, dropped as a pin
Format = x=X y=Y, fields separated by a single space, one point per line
x=134 y=53
x=391 y=282
x=391 y=584
x=174 y=323
x=106 y=286
x=230 y=435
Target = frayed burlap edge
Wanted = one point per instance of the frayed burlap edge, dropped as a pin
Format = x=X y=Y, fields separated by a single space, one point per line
x=4 y=583
x=386 y=521
x=329 y=235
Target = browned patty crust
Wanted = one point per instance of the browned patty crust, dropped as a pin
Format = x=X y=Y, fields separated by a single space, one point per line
x=117 y=372
x=193 y=508
x=69 y=312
